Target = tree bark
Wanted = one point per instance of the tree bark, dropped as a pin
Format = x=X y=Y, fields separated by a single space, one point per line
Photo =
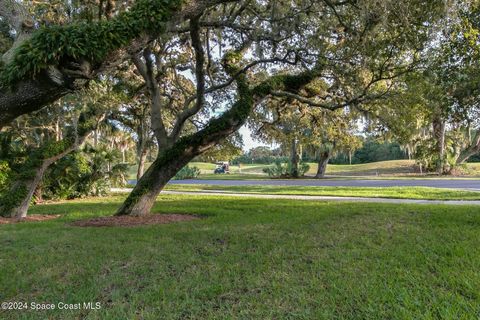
x=142 y=198
x=56 y=81
x=439 y=134
x=28 y=96
x=322 y=164
x=471 y=150
x=170 y=160
x=179 y=153
x=294 y=159
x=141 y=163
x=26 y=188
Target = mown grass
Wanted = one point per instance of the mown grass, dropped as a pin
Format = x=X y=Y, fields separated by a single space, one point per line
x=246 y=171
x=394 y=169
x=232 y=176
x=370 y=192
x=249 y=259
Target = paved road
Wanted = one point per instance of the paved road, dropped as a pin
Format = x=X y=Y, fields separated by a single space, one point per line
x=436 y=183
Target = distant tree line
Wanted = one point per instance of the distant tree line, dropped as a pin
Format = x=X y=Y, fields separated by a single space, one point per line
x=371 y=150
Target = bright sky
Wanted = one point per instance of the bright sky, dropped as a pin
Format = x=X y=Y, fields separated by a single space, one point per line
x=248 y=141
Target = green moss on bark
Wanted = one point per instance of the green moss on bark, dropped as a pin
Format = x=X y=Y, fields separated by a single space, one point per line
x=185 y=149
x=86 y=41
x=12 y=199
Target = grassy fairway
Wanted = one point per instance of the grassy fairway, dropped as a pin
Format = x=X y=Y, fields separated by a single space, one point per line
x=393 y=167
x=249 y=259
x=368 y=192
x=383 y=169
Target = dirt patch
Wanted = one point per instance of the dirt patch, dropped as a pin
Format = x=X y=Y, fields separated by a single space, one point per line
x=128 y=221
x=31 y=218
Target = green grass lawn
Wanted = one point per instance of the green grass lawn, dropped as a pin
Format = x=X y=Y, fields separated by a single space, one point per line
x=246 y=171
x=393 y=167
x=370 y=192
x=249 y=259
x=232 y=176
x=382 y=169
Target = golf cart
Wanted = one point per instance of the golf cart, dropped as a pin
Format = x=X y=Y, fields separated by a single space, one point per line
x=222 y=167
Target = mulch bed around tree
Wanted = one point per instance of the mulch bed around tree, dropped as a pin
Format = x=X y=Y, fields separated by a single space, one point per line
x=30 y=218
x=128 y=221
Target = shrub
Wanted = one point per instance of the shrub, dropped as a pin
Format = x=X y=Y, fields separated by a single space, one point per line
x=81 y=174
x=426 y=156
x=187 y=173
x=276 y=171
x=303 y=168
x=284 y=170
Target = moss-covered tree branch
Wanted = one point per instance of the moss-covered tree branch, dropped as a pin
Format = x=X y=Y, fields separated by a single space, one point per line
x=56 y=60
x=172 y=159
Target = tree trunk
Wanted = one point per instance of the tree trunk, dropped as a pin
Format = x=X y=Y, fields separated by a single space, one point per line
x=162 y=170
x=174 y=157
x=17 y=200
x=95 y=138
x=408 y=151
x=141 y=163
x=464 y=156
x=29 y=96
x=322 y=164
x=24 y=191
x=294 y=159
x=178 y=154
x=439 y=134
x=471 y=150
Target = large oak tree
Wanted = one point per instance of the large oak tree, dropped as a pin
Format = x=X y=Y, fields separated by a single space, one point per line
x=270 y=50
x=241 y=53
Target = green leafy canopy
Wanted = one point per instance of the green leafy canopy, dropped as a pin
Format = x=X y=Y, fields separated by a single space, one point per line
x=92 y=42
